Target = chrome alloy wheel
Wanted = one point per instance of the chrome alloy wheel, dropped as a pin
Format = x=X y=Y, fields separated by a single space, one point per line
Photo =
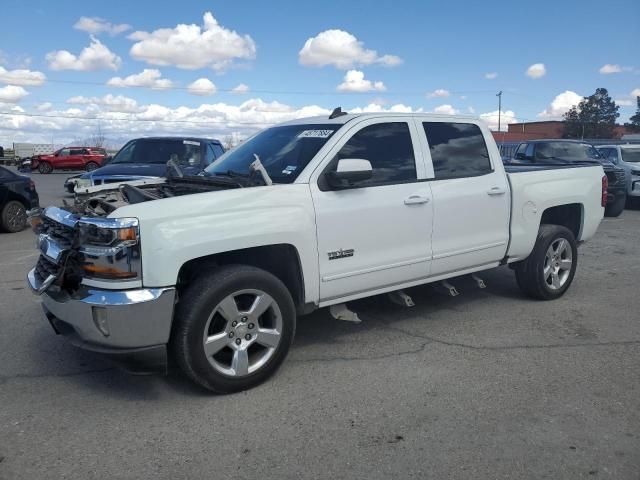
x=242 y=333
x=557 y=263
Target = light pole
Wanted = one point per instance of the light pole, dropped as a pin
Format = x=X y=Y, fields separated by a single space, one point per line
x=499 y=95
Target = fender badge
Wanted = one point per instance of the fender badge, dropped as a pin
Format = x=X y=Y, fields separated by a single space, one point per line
x=340 y=254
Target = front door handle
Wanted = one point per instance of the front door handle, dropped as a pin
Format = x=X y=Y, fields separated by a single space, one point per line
x=496 y=191
x=416 y=200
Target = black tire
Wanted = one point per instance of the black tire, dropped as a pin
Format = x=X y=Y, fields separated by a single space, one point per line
x=13 y=217
x=91 y=166
x=45 y=167
x=616 y=208
x=196 y=304
x=530 y=273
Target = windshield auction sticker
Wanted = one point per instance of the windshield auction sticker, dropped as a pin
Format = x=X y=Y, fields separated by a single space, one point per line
x=190 y=142
x=315 y=134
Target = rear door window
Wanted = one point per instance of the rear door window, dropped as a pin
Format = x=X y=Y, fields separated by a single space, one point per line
x=457 y=150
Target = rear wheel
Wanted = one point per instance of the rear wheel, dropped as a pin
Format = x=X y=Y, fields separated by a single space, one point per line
x=233 y=328
x=616 y=208
x=548 y=272
x=91 y=166
x=13 y=217
x=45 y=167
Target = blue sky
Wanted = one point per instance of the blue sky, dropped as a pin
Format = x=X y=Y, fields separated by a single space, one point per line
x=433 y=56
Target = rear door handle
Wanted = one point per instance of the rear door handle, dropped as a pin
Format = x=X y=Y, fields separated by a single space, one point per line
x=496 y=191
x=416 y=200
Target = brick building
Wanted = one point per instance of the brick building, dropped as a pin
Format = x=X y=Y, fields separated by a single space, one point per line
x=519 y=132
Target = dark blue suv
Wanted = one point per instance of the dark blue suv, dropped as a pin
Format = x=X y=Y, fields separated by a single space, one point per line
x=147 y=158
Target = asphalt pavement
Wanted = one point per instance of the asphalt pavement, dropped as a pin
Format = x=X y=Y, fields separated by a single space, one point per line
x=489 y=384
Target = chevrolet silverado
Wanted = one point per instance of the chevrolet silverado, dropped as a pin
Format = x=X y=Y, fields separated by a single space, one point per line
x=212 y=270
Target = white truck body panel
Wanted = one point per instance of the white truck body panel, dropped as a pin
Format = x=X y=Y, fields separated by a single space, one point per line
x=403 y=234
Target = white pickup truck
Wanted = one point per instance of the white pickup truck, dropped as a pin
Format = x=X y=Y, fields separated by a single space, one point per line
x=311 y=213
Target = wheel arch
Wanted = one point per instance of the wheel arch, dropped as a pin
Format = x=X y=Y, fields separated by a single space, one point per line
x=570 y=215
x=281 y=260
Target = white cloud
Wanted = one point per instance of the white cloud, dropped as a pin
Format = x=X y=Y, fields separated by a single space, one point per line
x=342 y=50
x=490 y=75
x=22 y=77
x=506 y=117
x=43 y=107
x=12 y=94
x=635 y=93
x=112 y=103
x=202 y=87
x=94 y=57
x=240 y=89
x=354 y=81
x=192 y=46
x=440 y=92
x=561 y=104
x=537 y=70
x=610 y=68
x=149 y=77
x=624 y=102
x=209 y=119
x=377 y=107
x=471 y=110
x=95 y=25
x=446 y=110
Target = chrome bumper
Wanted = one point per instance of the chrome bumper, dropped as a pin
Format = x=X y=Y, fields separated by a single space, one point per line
x=109 y=319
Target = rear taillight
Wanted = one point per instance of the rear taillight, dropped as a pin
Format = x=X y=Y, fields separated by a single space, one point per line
x=605 y=184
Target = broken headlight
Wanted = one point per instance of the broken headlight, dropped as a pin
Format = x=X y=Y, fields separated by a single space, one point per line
x=110 y=248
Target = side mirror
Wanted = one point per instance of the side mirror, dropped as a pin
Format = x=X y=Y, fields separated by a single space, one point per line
x=349 y=171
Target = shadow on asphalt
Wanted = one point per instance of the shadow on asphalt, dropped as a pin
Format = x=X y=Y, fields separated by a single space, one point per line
x=319 y=328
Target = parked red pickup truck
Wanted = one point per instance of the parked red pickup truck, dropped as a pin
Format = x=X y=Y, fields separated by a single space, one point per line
x=70 y=158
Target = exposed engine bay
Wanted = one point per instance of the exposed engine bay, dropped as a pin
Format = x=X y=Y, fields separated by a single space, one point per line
x=101 y=202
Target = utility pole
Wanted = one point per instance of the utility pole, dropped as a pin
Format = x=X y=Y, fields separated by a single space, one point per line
x=499 y=95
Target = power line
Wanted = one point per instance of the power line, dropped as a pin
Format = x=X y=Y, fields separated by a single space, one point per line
x=76 y=117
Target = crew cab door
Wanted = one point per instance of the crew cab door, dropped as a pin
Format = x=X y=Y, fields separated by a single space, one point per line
x=471 y=197
x=377 y=233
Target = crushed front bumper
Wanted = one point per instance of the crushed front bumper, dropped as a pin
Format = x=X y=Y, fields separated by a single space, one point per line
x=130 y=326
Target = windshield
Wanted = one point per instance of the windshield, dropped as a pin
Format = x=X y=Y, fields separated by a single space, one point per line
x=567 y=151
x=284 y=151
x=631 y=154
x=185 y=152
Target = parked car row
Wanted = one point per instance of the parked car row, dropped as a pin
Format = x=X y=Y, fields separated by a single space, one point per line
x=558 y=152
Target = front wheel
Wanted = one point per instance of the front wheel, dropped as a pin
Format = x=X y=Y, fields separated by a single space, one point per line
x=233 y=328
x=45 y=167
x=548 y=272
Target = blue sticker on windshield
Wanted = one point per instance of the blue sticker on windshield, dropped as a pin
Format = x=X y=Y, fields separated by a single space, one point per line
x=289 y=169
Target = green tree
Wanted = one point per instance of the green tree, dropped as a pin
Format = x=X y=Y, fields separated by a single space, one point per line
x=634 y=121
x=594 y=117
